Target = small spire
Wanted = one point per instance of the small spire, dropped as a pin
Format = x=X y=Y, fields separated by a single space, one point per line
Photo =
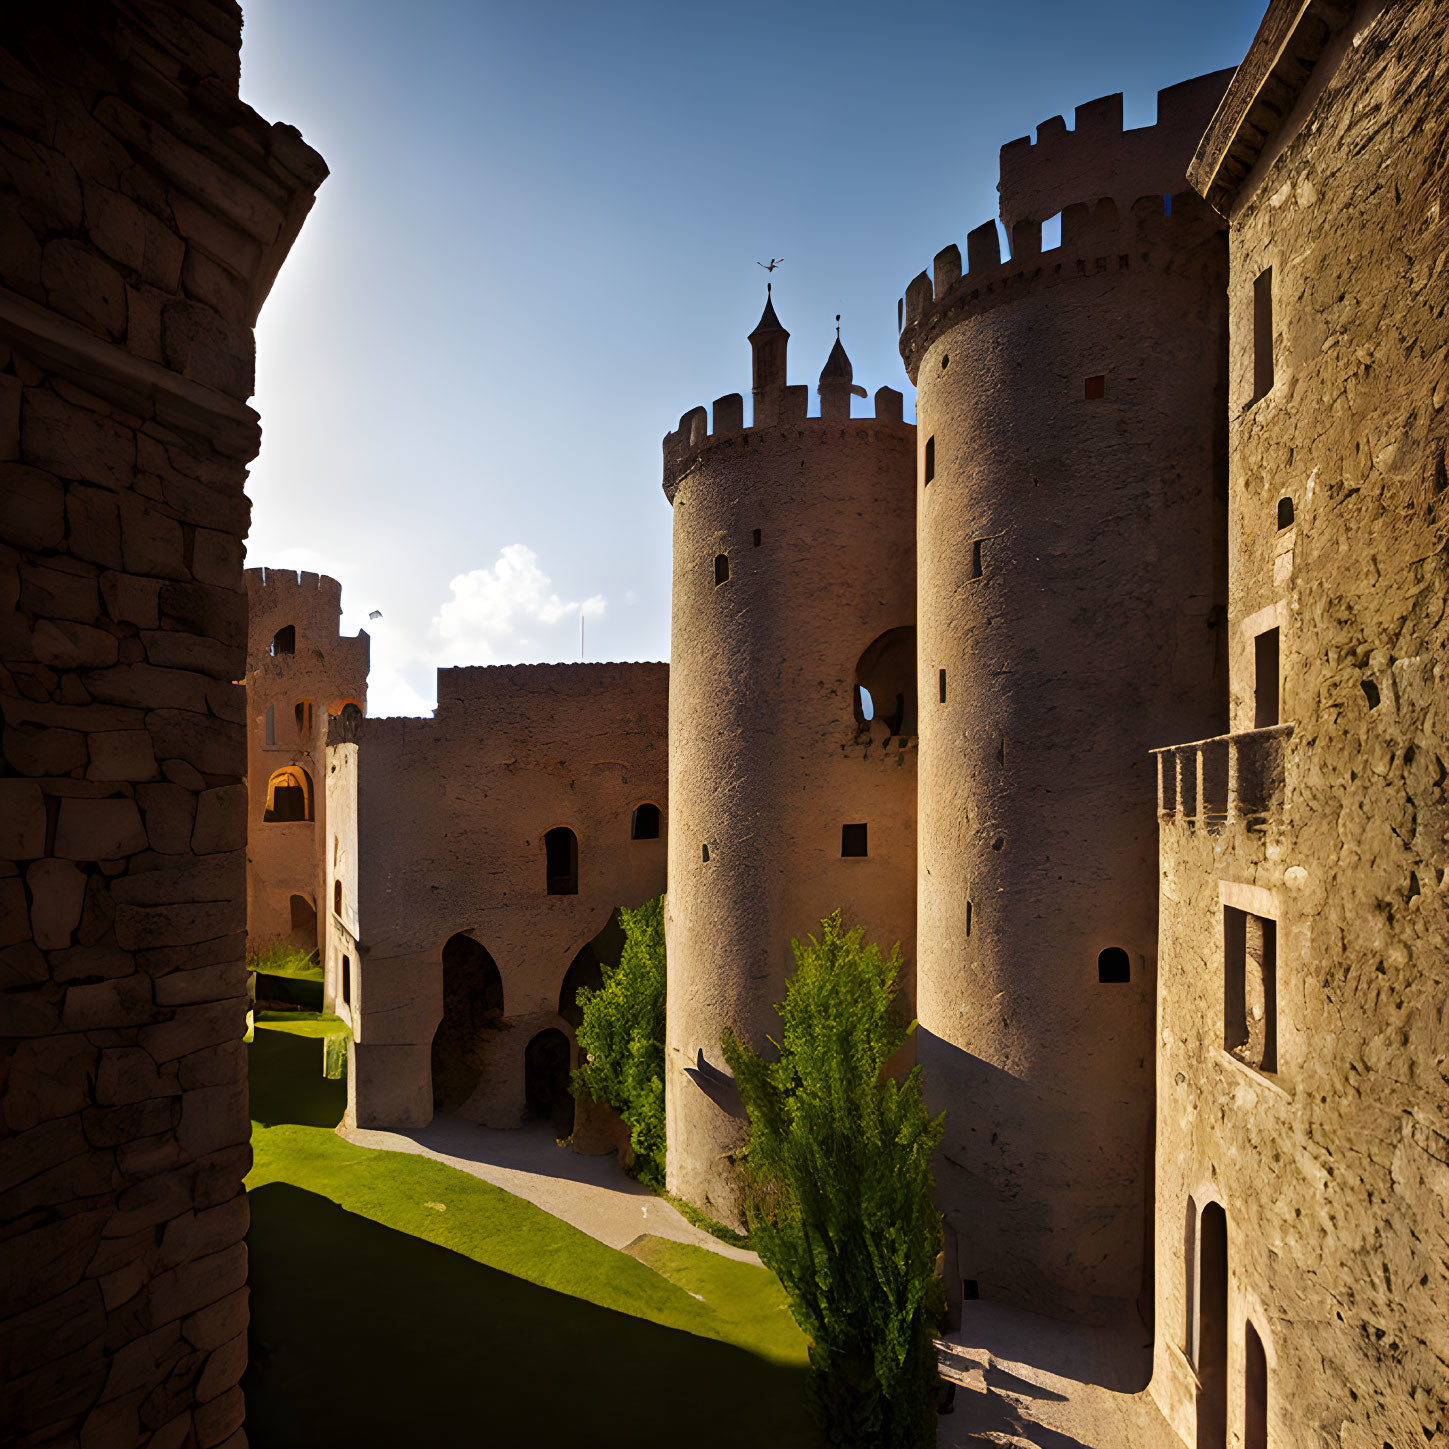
x=768 y=321
x=837 y=380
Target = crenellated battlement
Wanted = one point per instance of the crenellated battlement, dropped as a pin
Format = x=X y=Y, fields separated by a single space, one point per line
x=1098 y=158
x=1096 y=238
x=290 y=581
x=694 y=434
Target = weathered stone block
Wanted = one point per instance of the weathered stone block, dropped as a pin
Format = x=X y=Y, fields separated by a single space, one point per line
x=22 y=820
x=176 y=649
x=219 y=1419
x=221 y=820
x=112 y=1126
x=203 y=345
x=47 y=1259
x=10 y=389
x=79 y=284
x=223 y=1369
x=140 y=927
x=213 y=1119
x=131 y=600
x=57 y=892
x=122 y=1001
x=197 y=1283
x=63 y=644
x=128 y=1074
x=14 y=914
x=213 y=746
x=225 y=1062
x=152 y=541
x=216 y=558
x=122 y=755
x=93 y=525
x=206 y=983
x=75 y=443
x=147 y=687
x=116 y=225
x=194 y=1028
x=48 y=1079
x=198 y=1235
x=169 y=811
x=42 y=751
x=218 y=1323
x=217 y=613
x=98 y=830
x=55 y=593
x=84 y=962
x=34 y=515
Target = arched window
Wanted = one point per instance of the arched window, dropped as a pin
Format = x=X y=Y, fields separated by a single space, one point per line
x=561 y=852
x=721 y=568
x=546 y=1061
x=302 y=714
x=345 y=707
x=646 y=822
x=472 y=1012
x=886 y=676
x=1255 y=1391
x=587 y=968
x=1212 y=1326
x=284 y=641
x=337 y=898
x=1114 y=966
x=289 y=795
x=1285 y=513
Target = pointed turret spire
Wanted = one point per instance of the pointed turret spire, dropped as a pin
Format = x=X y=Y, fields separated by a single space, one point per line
x=768 y=344
x=837 y=380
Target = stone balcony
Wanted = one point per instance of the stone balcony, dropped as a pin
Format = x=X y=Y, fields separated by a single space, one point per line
x=1227 y=780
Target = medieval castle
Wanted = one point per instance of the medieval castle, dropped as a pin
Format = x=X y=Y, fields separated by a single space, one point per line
x=1112 y=688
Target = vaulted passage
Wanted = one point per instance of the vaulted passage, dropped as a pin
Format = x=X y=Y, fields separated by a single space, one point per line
x=472 y=1013
x=1212 y=1330
x=587 y=968
x=289 y=796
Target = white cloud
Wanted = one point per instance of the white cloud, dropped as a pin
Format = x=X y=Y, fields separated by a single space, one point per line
x=509 y=613
x=390 y=693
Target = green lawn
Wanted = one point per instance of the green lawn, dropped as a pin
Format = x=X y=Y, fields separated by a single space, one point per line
x=398 y=1301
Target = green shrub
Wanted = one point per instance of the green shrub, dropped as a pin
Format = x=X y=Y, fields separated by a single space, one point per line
x=837 y=1182
x=280 y=959
x=621 y=1038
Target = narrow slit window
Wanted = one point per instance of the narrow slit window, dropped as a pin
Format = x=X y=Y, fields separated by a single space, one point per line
x=721 y=569
x=347 y=980
x=755 y=538
x=976 y=566
x=1114 y=966
x=968 y=918
x=1285 y=513
x=1263 y=334
x=704 y=853
x=930 y=472
x=1266 y=705
x=853 y=840
x=1095 y=387
x=941 y=681
x=336 y=897
x=1250 y=988
x=561 y=860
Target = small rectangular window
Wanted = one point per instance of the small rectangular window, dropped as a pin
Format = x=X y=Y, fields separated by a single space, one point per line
x=970 y=1290
x=721 y=569
x=1265 y=679
x=976 y=569
x=968 y=918
x=1250 y=988
x=755 y=538
x=852 y=840
x=942 y=683
x=930 y=459
x=347 y=981
x=704 y=855
x=1096 y=387
x=1263 y=334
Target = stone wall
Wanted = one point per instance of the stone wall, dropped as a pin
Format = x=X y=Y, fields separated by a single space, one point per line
x=294 y=683
x=1329 y=1163
x=143 y=214
x=446 y=840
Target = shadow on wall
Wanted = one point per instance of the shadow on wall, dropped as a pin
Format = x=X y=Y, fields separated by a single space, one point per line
x=365 y=1336
x=472 y=1014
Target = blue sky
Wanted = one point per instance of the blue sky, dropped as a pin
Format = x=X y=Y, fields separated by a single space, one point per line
x=537 y=249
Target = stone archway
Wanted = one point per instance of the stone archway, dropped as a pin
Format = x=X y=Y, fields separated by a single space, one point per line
x=472 y=1013
x=546 y=1063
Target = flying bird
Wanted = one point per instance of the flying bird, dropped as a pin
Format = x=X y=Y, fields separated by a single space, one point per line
x=774 y=262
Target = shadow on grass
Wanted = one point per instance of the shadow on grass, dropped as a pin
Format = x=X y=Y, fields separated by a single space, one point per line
x=364 y=1336
x=287 y=1084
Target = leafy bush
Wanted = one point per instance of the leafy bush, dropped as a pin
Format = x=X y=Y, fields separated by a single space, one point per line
x=621 y=1038
x=280 y=959
x=837 y=1181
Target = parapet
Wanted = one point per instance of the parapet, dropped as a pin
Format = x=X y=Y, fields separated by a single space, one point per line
x=791 y=413
x=271 y=586
x=1098 y=158
x=1096 y=238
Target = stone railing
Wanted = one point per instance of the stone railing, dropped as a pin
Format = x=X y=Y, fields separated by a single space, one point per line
x=1228 y=780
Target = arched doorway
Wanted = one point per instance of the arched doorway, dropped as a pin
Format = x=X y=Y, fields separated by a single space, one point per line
x=561 y=861
x=289 y=796
x=1255 y=1391
x=885 y=682
x=1212 y=1329
x=303 y=916
x=587 y=968
x=546 y=1064
x=472 y=1012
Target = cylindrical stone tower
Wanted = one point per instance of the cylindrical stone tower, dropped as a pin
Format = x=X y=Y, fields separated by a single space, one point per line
x=793 y=620
x=1071 y=517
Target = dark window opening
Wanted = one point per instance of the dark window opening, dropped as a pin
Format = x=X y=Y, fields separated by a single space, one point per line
x=271 y=725
x=1285 y=513
x=945 y=361
x=1114 y=966
x=970 y=1290
x=289 y=797
x=472 y=1011
x=1096 y=387
x=1212 y=1329
x=1265 y=679
x=561 y=852
x=302 y=714
x=1263 y=334
x=704 y=849
x=930 y=459
x=347 y=980
x=976 y=569
x=1167 y=204
x=1250 y=988
x=284 y=641
x=755 y=538
x=646 y=823
x=337 y=897
x=1255 y=1391
x=885 y=680
x=852 y=840
x=721 y=568
x=588 y=967
x=968 y=918
x=942 y=682
x=1370 y=692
